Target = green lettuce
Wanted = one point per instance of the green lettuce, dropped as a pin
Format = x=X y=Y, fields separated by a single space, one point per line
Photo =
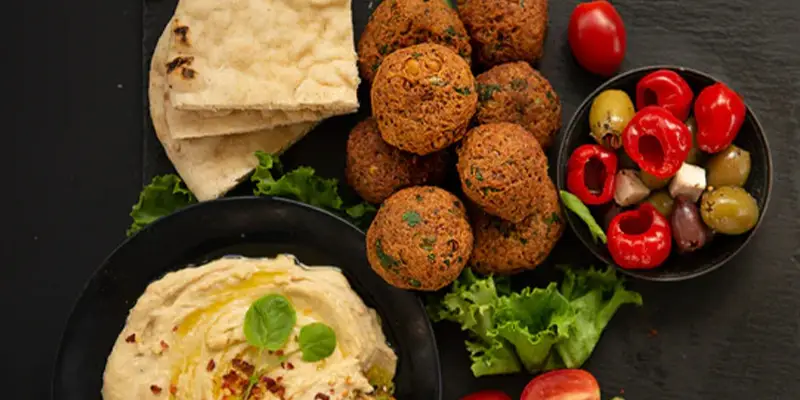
x=472 y=303
x=304 y=185
x=164 y=195
x=167 y=193
x=537 y=329
x=595 y=296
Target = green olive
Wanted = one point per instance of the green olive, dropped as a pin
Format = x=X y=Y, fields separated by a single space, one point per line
x=610 y=113
x=695 y=156
x=653 y=182
x=730 y=167
x=662 y=201
x=729 y=210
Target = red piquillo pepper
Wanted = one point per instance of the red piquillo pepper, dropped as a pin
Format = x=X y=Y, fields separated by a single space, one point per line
x=666 y=89
x=591 y=172
x=657 y=141
x=639 y=239
x=719 y=112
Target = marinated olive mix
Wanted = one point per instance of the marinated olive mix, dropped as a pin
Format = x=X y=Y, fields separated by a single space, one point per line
x=677 y=180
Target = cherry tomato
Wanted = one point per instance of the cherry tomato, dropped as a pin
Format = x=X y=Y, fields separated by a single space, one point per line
x=597 y=37
x=562 y=384
x=487 y=395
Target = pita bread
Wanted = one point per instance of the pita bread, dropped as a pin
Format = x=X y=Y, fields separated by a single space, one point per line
x=198 y=124
x=211 y=166
x=263 y=55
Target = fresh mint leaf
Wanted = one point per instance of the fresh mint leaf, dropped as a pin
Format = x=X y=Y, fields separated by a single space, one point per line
x=164 y=195
x=269 y=321
x=317 y=341
x=575 y=205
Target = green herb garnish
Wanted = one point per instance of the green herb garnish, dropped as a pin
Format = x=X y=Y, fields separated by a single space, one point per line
x=386 y=260
x=464 y=91
x=317 y=341
x=486 y=91
x=269 y=322
x=412 y=218
x=519 y=84
x=574 y=204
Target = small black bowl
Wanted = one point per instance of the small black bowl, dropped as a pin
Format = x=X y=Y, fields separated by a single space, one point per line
x=677 y=267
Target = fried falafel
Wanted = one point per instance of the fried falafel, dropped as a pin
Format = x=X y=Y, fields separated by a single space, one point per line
x=504 y=248
x=375 y=169
x=502 y=169
x=397 y=24
x=423 y=98
x=515 y=92
x=420 y=239
x=505 y=30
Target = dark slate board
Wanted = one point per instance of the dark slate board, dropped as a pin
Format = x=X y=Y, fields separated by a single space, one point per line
x=733 y=334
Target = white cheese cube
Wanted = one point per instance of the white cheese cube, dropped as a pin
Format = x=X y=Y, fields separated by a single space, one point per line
x=690 y=181
x=629 y=188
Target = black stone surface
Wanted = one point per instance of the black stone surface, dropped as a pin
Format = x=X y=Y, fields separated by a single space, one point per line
x=80 y=149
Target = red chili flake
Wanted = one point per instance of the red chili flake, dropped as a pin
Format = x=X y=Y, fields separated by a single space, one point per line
x=332 y=391
x=269 y=382
x=131 y=338
x=243 y=366
x=155 y=389
x=279 y=353
x=322 y=396
x=211 y=365
x=622 y=391
x=289 y=366
x=653 y=333
x=280 y=392
x=175 y=328
x=173 y=389
x=164 y=345
x=279 y=379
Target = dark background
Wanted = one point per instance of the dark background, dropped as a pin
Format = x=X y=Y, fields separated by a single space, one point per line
x=81 y=150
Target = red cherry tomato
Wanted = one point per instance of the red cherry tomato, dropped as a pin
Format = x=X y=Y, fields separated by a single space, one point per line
x=562 y=384
x=597 y=37
x=487 y=395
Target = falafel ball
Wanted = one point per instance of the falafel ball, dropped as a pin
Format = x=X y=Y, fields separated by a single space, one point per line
x=505 y=30
x=397 y=24
x=504 y=248
x=515 y=92
x=502 y=169
x=420 y=239
x=423 y=98
x=376 y=170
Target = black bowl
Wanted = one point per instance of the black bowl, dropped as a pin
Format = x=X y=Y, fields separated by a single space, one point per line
x=248 y=226
x=677 y=267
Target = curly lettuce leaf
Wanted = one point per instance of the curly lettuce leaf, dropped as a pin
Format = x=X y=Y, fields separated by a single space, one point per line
x=534 y=320
x=164 y=195
x=471 y=303
x=304 y=185
x=595 y=296
x=540 y=329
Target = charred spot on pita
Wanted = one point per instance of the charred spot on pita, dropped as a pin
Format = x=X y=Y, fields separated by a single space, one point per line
x=188 y=73
x=179 y=62
x=182 y=33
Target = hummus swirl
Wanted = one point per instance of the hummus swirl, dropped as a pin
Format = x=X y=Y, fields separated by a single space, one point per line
x=184 y=338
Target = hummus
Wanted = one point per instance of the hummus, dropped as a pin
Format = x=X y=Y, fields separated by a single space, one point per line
x=184 y=338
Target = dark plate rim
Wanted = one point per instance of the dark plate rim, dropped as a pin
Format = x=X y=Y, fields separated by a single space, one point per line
x=104 y=264
x=562 y=156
